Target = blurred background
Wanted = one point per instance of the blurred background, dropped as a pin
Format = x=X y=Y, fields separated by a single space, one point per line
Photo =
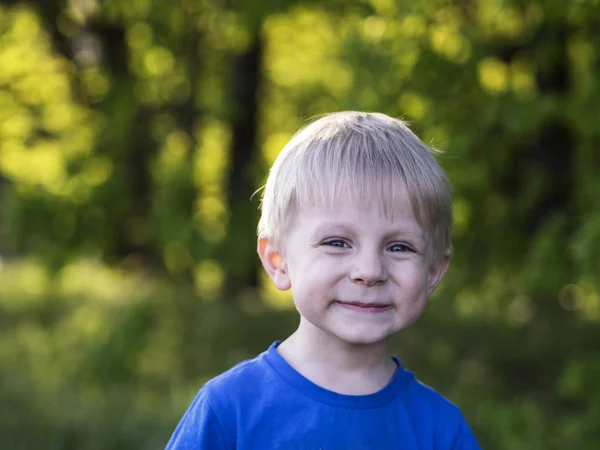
x=133 y=133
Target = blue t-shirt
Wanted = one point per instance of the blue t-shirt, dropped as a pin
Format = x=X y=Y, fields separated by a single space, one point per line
x=265 y=404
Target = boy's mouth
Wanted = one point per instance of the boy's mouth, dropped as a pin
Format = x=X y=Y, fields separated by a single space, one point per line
x=373 y=307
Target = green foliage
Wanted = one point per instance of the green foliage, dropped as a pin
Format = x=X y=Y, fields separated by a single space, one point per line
x=130 y=144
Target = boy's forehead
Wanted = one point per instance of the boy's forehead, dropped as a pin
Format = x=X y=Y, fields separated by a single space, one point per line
x=388 y=207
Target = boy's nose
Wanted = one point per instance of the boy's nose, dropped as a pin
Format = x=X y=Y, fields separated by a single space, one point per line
x=368 y=270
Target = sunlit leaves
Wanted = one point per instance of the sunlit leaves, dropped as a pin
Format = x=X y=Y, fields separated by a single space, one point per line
x=211 y=156
x=26 y=282
x=42 y=128
x=385 y=7
x=446 y=37
x=209 y=278
x=210 y=213
x=374 y=28
x=493 y=75
x=506 y=21
x=42 y=165
x=522 y=78
x=583 y=55
x=227 y=32
x=139 y=35
x=96 y=84
x=414 y=104
x=273 y=145
x=412 y=25
x=129 y=11
x=161 y=79
x=314 y=33
x=157 y=61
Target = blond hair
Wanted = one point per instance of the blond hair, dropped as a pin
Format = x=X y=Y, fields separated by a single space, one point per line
x=360 y=156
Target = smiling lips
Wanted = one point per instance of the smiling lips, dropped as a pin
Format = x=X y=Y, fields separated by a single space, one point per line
x=365 y=307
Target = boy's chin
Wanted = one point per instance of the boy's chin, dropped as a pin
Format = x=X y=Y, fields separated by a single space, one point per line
x=363 y=337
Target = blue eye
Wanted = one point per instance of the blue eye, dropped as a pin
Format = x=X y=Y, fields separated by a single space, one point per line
x=400 y=248
x=336 y=243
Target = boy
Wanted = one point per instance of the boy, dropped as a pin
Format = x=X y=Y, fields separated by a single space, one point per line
x=356 y=221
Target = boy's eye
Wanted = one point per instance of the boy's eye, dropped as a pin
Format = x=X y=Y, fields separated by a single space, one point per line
x=336 y=243
x=400 y=248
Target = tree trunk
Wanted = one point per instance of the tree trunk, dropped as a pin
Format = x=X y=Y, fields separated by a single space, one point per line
x=240 y=246
x=553 y=152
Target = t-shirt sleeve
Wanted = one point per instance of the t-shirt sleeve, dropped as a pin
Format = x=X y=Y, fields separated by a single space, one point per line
x=199 y=428
x=465 y=439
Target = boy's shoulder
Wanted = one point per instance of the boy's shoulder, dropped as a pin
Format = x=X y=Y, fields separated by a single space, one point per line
x=424 y=394
x=240 y=382
x=425 y=400
x=243 y=372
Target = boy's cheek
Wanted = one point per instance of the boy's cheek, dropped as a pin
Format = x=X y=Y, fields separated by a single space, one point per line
x=437 y=273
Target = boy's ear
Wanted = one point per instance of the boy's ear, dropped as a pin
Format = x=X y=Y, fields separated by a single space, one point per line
x=437 y=272
x=273 y=263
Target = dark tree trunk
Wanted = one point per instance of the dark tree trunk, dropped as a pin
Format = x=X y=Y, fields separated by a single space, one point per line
x=188 y=116
x=4 y=246
x=550 y=160
x=548 y=152
x=240 y=245
x=553 y=152
x=135 y=150
x=136 y=165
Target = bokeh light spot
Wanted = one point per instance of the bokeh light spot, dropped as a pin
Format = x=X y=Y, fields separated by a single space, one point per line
x=493 y=75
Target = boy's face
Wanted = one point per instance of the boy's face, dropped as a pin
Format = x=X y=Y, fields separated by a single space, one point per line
x=354 y=273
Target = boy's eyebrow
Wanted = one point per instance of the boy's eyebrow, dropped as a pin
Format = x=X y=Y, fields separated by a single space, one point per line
x=408 y=232
x=329 y=227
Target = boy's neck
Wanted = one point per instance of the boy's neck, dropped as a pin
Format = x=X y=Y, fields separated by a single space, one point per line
x=336 y=365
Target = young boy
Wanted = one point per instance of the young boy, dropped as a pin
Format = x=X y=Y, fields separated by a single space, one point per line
x=356 y=221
